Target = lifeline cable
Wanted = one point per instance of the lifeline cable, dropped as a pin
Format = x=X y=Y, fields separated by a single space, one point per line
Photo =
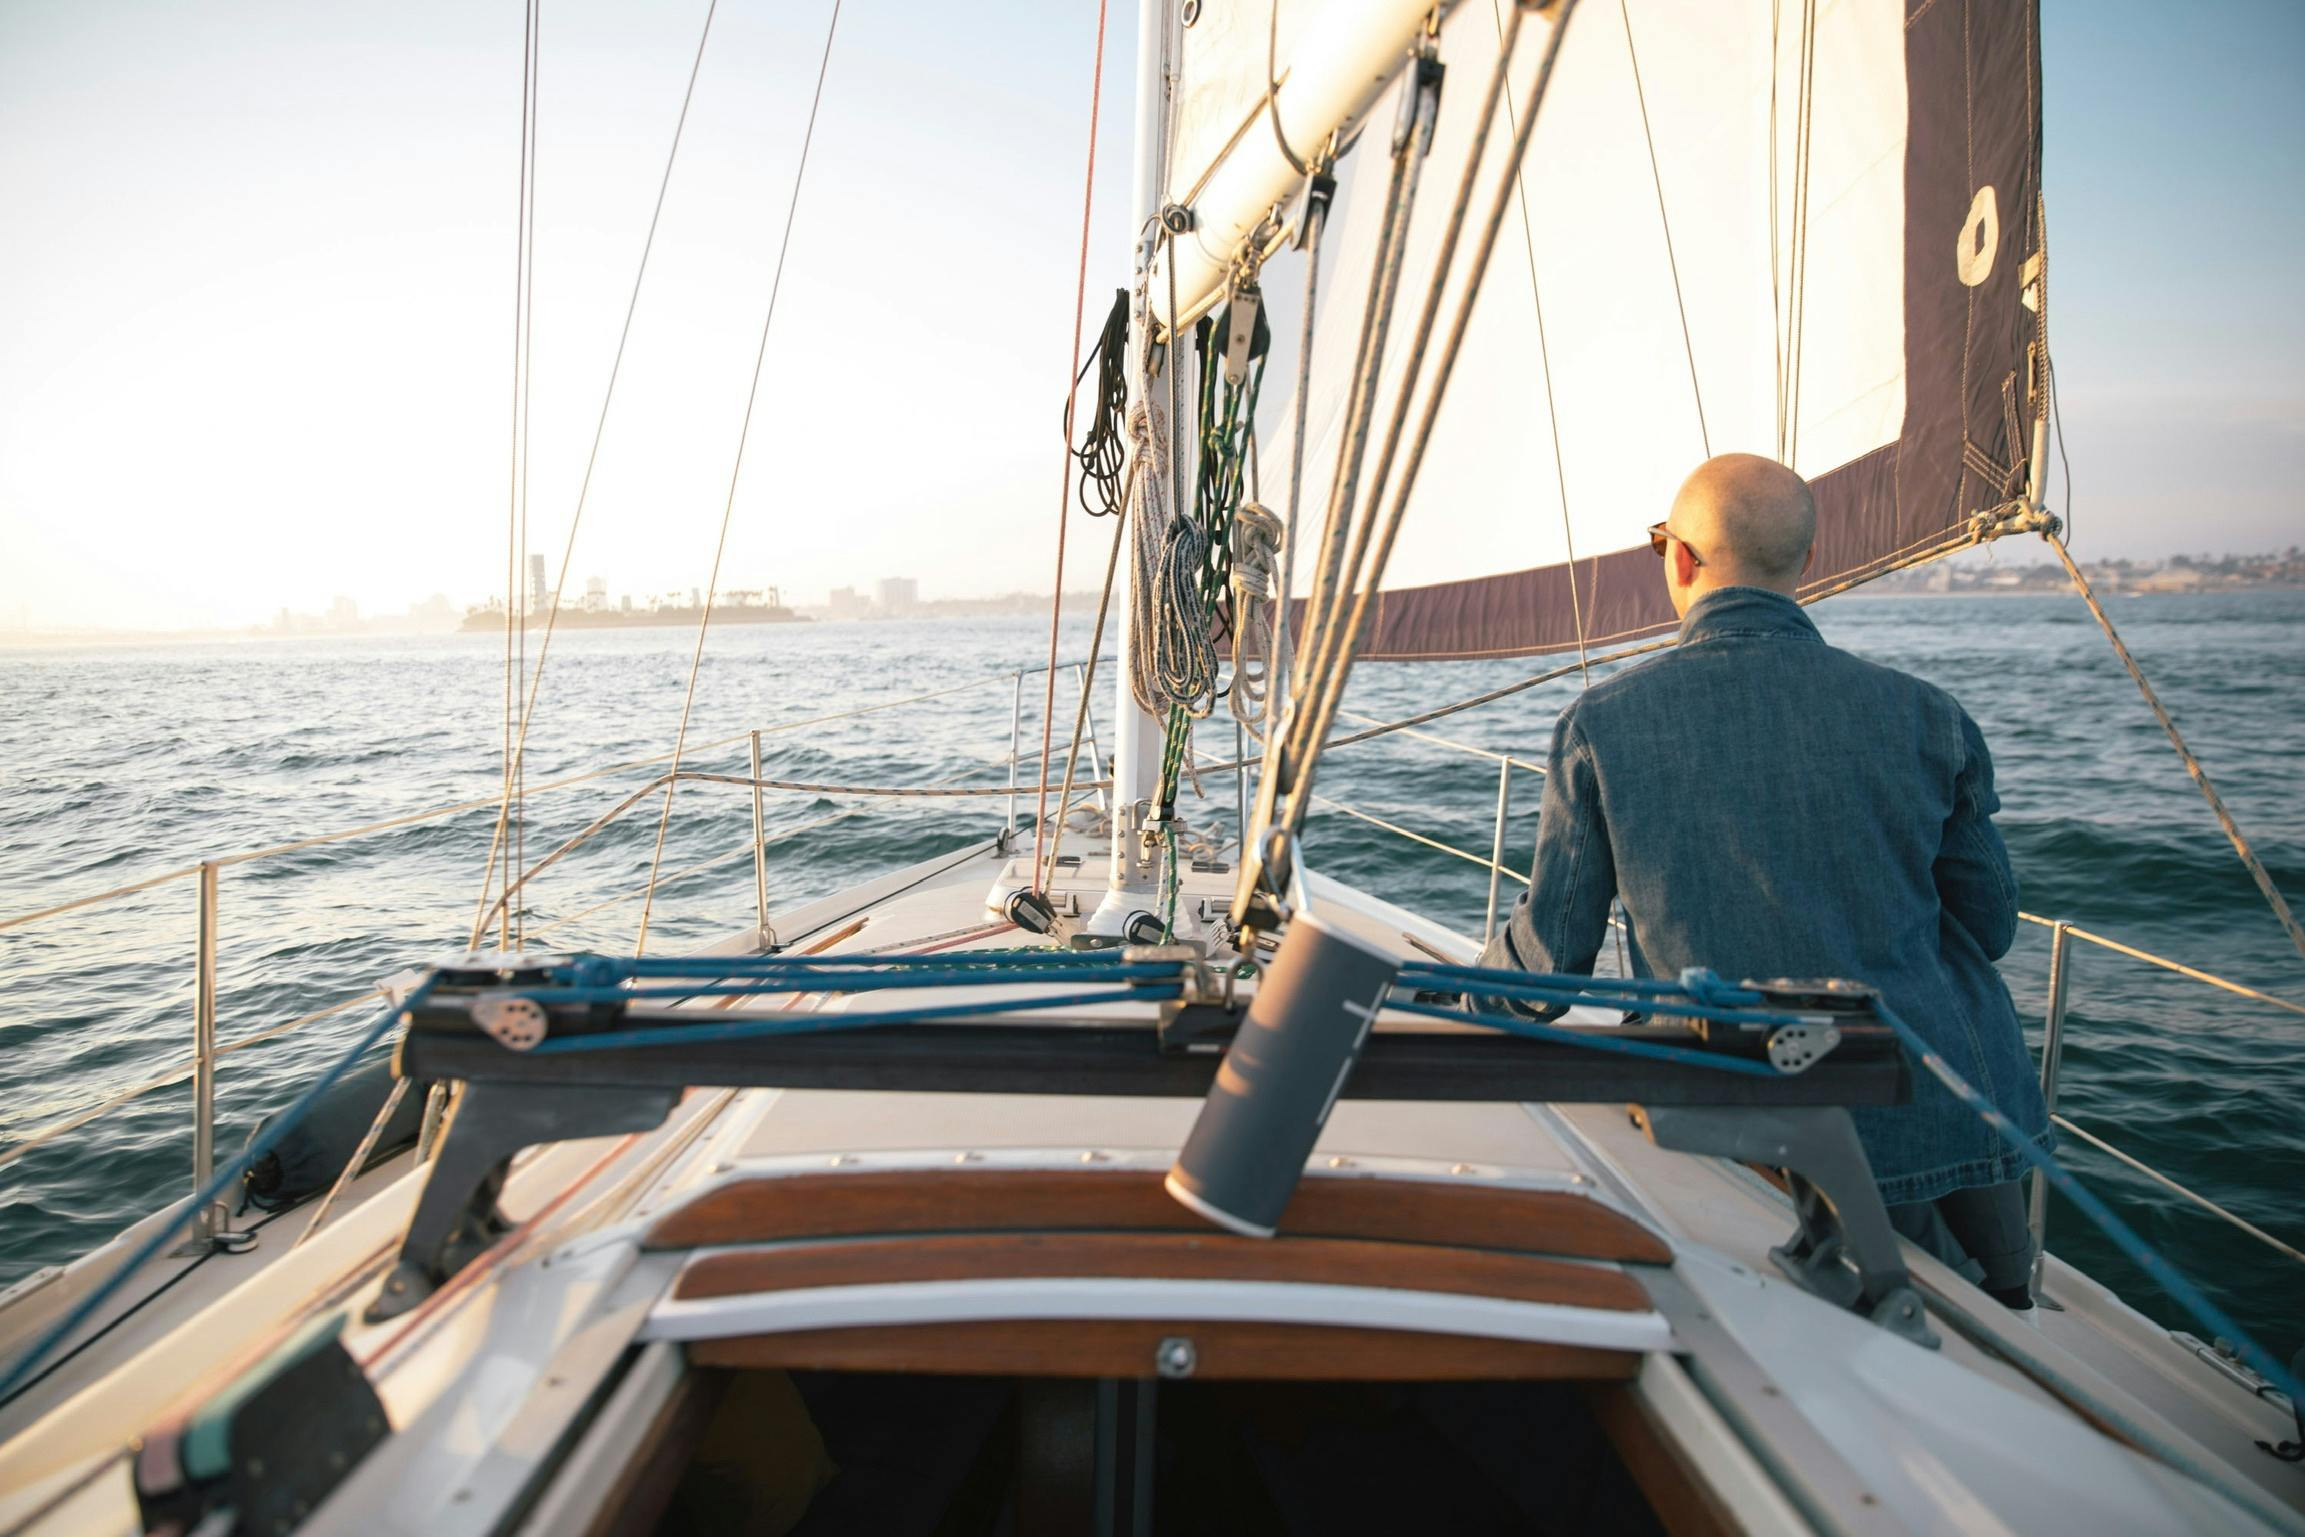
x=20 y=1370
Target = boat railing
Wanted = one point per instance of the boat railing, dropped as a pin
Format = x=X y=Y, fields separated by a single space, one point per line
x=208 y=1050
x=51 y=1122
x=2062 y=934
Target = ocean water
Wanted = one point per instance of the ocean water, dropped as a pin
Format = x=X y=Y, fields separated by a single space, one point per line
x=120 y=763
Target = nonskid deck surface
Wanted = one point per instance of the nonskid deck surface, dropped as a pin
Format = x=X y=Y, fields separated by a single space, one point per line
x=593 y=1275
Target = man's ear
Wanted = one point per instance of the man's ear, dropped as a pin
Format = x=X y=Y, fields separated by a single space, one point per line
x=1684 y=565
x=1808 y=560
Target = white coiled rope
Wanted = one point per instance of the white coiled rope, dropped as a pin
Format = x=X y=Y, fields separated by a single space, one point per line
x=1256 y=539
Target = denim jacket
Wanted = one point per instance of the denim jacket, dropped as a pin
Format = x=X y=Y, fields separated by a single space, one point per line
x=1768 y=806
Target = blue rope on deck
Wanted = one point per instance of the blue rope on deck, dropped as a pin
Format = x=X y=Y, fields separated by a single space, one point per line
x=1698 y=994
x=818 y=1024
x=20 y=1371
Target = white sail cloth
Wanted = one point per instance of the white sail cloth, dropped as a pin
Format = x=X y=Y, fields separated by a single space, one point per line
x=1822 y=262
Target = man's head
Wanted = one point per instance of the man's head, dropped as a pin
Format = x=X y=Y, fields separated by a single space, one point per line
x=1740 y=521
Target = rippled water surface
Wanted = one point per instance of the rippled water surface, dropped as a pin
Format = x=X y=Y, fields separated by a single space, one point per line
x=118 y=764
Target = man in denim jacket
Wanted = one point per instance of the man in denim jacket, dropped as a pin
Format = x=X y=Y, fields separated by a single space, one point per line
x=1768 y=806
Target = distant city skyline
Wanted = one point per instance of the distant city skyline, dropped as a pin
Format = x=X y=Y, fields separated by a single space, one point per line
x=254 y=303
x=2012 y=567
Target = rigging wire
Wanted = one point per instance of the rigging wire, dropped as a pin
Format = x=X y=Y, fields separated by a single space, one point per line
x=1797 y=310
x=1672 y=262
x=1072 y=400
x=735 y=473
x=518 y=918
x=523 y=267
x=1043 y=875
x=2256 y=867
x=1776 y=276
x=1553 y=420
x=599 y=431
x=1340 y=647
x=1320 y=191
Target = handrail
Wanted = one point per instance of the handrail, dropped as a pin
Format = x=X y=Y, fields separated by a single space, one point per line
x=480 y=802
x=201 y=1064
x=1416 y=837
x=2167 y=964
x=2198 y=1199
x=1437 y=740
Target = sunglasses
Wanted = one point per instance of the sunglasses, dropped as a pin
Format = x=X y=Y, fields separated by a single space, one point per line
x=1659 y=534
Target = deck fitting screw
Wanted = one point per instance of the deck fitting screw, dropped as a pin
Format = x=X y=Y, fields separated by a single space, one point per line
x=968 y=1158
x=1092 y=1157
x=1175 y=1357
x=1340 y=1163
x=1460 y=1168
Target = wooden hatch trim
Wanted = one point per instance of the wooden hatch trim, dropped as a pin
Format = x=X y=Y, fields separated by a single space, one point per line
x=1222 y=1352
x=768 y=1208
x=1159 y=1256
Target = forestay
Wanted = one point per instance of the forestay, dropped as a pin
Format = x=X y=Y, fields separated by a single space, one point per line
x=1806 y=231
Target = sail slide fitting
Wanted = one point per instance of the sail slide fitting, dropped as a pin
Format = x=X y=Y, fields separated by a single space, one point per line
x=1281 y=1077
x=1844 y=1251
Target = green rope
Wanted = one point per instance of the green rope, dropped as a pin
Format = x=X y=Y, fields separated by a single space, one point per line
x=1227 y=417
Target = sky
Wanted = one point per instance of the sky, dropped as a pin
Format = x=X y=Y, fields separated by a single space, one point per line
x=256 y=284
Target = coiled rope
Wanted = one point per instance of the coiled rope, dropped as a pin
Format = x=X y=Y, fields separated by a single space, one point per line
x=1103 y=451
x=1256 y=544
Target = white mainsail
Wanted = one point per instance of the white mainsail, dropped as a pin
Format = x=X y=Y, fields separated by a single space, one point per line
x=1795 y=230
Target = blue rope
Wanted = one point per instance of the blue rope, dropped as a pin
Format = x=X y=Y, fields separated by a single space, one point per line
x=748 y=965
x=1598 y=1040
x=20 y=1370
x=864 y=982
x=810 y=1024
x=2148 y=1259
x=1550 y=988
x=1702 y=985
x=1640 y=1003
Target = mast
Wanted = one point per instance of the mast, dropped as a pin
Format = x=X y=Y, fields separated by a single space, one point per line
x=1136 y=754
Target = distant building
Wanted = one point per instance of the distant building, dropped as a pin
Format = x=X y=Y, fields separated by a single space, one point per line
x=848 y=603
x=2174 y=578
x=536 y=582
x=343 y=614
x=596 y=595
x=898 y=594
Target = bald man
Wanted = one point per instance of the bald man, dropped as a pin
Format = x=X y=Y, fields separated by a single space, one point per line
x=1767 y=806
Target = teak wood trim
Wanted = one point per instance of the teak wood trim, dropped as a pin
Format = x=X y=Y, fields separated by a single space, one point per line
x=1163 y=1256
x=1668 y=1480
x=770 y=1207
x=1125 y=1348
